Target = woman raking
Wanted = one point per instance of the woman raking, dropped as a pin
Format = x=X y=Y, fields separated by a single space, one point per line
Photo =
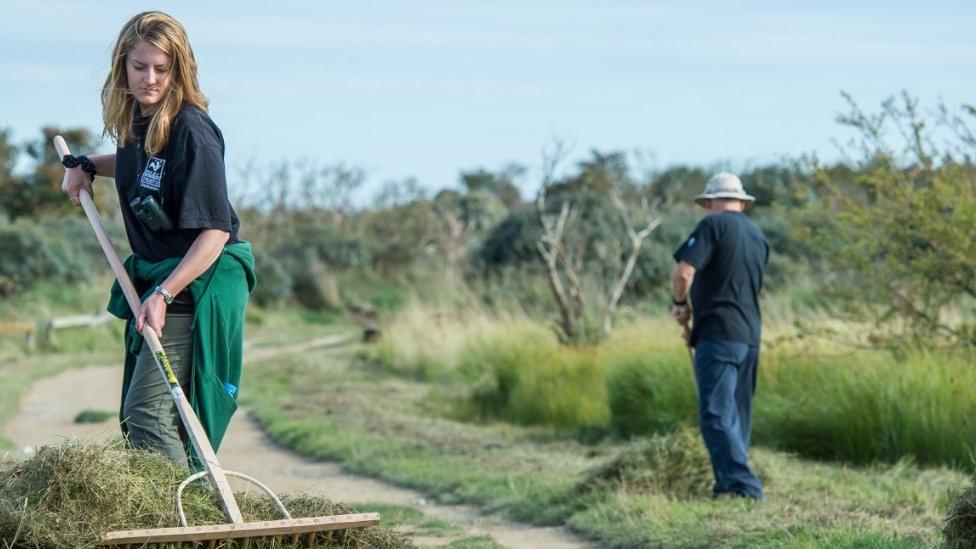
x=193 y=273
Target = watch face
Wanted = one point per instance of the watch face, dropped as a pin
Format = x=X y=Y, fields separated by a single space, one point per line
x=167 y=297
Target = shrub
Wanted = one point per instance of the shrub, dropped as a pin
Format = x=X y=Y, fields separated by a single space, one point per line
x=313 y=286
x=31 y=256
x=337 y=248
x=274 y=281
x=903 y=219
x=366 y=290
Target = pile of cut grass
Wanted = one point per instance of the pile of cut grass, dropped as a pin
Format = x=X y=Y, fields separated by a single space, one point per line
x=72 y=494
x=675 y=464
x=960 y=524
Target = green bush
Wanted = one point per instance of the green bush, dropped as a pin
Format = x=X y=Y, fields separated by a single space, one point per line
x=274 y=280
x=32 y=254
x=513 y=240
x=903 y=218
x=654 y=262
x=337 y=248
x=365 y=289
x=313 y=286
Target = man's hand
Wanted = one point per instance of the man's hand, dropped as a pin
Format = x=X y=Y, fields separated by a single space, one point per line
x=153 y=312
x=681 y=314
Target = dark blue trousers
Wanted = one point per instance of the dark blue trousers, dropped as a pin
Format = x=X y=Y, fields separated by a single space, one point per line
x=726 y=375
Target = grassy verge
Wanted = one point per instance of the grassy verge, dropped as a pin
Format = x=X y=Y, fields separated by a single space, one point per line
x=818 y=400
x=388 y=426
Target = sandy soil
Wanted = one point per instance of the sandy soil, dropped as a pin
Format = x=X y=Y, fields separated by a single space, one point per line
x=47 y=414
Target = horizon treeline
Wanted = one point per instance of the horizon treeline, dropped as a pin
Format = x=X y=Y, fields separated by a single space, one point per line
x=882 y=235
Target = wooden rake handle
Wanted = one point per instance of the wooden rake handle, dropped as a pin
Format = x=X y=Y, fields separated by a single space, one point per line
x=198 y=436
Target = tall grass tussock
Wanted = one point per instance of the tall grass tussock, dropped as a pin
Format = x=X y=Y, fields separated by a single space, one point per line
x=819 y=400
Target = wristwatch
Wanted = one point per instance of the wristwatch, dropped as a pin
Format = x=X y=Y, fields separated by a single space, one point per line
x=167 y=297
x=679 y=303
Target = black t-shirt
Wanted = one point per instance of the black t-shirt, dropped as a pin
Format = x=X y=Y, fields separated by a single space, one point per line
x=729 y=255
x=187 y=180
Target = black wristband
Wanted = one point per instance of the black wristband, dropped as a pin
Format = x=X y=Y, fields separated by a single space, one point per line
x=86 y=164
x=679 y=303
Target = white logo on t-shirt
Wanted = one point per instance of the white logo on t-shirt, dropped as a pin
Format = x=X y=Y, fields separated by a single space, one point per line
x=153 y=174
x=691 y=242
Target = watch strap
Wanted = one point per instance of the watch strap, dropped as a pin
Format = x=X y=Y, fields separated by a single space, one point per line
x=167 y=297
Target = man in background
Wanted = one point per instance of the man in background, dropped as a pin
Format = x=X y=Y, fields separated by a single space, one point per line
x=720 y=267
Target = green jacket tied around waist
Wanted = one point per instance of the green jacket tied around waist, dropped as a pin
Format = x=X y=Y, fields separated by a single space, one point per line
x=220 y=294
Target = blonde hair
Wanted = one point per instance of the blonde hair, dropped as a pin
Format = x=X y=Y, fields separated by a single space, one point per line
x=118 y=104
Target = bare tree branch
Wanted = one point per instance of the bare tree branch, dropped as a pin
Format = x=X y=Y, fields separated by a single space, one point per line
x=651 y=221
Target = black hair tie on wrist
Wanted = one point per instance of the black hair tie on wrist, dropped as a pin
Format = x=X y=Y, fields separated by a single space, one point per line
x=87 y=166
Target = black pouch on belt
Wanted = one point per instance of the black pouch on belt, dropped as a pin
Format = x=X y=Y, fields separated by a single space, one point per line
x=150 y=213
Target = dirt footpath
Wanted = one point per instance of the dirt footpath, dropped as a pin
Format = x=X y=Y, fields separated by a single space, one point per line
x=47 y=412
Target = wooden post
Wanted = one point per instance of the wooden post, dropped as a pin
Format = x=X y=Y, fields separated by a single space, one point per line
x=31 y=340
x=45 y=329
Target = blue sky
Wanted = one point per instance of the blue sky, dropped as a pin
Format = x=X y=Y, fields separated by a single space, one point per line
x=428 y=88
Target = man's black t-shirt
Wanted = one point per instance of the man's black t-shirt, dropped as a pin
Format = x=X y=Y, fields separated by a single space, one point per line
x=187 y=180
x=729 y=255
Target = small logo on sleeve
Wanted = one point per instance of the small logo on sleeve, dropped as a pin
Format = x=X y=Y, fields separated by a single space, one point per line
x=691 y=242
x=152 y=176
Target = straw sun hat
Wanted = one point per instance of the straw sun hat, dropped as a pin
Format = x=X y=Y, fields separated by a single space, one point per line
x=723 y=185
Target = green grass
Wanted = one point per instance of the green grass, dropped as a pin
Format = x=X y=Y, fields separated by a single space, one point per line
x=412 y=520
x=483 y=541
x=383 y=425
x=504 y=385
x=819 y=400
x=283 y=326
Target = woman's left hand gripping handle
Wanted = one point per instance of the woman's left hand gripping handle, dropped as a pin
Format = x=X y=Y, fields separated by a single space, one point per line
x=75 y=179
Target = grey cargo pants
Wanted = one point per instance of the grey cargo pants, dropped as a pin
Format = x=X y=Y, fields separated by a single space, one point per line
x=148 y=411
